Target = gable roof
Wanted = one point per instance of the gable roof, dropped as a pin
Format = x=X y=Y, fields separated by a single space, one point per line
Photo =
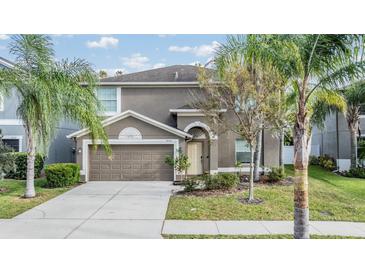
x=131 y=113
x=176 y=73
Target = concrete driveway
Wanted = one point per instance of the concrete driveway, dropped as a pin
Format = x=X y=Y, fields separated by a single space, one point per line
x=96 y=210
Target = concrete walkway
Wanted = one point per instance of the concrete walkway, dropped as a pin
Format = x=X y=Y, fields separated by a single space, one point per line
x=96 y=210
x=260 y=228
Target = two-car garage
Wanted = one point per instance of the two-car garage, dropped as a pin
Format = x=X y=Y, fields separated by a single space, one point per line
x=139 y=148
x=131 y=163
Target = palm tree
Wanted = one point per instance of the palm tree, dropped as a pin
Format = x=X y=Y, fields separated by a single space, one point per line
x=354 y=96
x=48 y=92
x=316 y=64
x=103 y=74
x=313 y=65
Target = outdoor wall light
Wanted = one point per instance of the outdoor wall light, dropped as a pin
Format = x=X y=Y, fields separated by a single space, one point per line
x=79 y=150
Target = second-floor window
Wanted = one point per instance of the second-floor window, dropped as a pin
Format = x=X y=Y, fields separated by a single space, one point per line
x=108 y=98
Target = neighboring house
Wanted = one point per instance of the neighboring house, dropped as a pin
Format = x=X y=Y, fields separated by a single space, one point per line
x=148 y=116
x=61 y=149
x=335 y=140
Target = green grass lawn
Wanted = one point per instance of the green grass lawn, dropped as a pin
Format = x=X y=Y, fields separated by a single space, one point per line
x=331 y=198
x=278 y=236
x=12 y=203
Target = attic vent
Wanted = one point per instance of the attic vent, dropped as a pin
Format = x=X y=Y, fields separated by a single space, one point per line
x=176 y=75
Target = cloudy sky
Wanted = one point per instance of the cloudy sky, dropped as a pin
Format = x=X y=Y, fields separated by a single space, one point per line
x=131 y=53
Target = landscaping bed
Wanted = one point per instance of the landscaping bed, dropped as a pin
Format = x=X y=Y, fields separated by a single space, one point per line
x=331 y=198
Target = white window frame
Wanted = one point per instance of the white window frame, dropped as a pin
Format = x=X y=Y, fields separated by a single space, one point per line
x=15 y=137
x=235 y=150
x=119 y=102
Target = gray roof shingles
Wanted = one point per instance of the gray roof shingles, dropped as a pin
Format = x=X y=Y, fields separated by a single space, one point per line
x=176 y=73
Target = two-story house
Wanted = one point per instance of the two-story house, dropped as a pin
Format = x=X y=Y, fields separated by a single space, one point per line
x=148 y=116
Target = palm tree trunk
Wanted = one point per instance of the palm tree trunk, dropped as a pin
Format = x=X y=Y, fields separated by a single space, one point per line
x=281 y=149
x=258 y=157
x=250 y=191
x=353 y=146
x=301 y=205
x=30 y=190
x=353 y=121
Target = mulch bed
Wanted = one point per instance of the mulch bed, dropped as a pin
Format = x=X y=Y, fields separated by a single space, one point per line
x=214 y=192
x=255 y=201
x=240 y=188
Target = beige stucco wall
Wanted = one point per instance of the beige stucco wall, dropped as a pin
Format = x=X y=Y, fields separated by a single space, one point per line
x=156 y=102
x=225 y=147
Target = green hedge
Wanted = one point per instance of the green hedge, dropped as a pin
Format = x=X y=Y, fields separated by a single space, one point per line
x=62 y=174
x=221 y=181
x=358 y=172
x=20 y=170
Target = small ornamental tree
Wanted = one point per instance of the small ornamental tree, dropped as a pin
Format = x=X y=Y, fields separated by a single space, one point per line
x=247 y=109
x=180 y=163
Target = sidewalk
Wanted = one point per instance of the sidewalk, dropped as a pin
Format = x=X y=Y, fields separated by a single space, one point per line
x=260 y=227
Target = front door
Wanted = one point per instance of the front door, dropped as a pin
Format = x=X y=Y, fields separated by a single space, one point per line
x=195 y=154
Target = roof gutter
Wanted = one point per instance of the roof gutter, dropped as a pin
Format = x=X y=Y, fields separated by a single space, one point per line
x=194 y=110
x=6 y=63
x=148 y=84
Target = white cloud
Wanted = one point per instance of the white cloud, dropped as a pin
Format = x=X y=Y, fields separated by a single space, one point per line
x=104 y=42
x=180 y=49
x=202 y=50
x=4 y=37
x=159 y=65
x=136 y=61
x=165 y=35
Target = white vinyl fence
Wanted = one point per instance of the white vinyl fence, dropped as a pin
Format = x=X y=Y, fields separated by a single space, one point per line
x=289 y=153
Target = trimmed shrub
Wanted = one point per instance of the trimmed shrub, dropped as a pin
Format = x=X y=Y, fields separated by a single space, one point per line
x=324 y=161
x=222 y=181
x=210 y=182
x=76 y=171
x=62 y=174
x=327 y=162
x=20 y=170
x=190 y=184
x=358 y=172
x=276 y=174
